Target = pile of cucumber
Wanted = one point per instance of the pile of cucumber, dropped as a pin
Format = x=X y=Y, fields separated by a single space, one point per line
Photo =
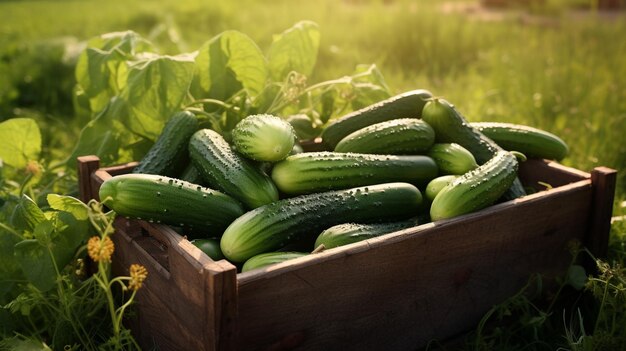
x=258 y=199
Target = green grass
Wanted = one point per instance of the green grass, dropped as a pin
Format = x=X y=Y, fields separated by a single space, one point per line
x=549 y=68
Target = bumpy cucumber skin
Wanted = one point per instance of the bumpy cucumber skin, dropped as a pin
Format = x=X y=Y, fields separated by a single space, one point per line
x=224 y=169
x=532 y=142
x=434 y=186
x=269 y=258
x=348 y=233
x=405 y=105
x=451 y=127
x=404 y=136
x=452 y=158
x=168 y=156
x=476 y=189
x=270 y=227
x=170 y=201
x=311 y=172
x=264 y=138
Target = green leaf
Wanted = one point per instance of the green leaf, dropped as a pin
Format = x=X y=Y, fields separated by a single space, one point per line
x=577 y=277
x=101 y=66
x=26 y=215
x=103 y=136
x=36 y=263
x=9 y=268
x=366 y=94
x=56 y=242
x=295 y=49
x=20 y=141
x=229 y=62
x=69 y=204
x=155 y=89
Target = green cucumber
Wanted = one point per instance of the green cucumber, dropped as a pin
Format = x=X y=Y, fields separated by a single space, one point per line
x=168 y=156
x=532 y=142
x=211 y=247
x=303 y=126
x=311 y=172
x=270 y=227
x=404 y=136
x=263 y=138
x=224 y=169
x=348 y=233
x=269 y=258
x=170 y=201
x=434 y=186
x=405 y=105
x=190 y=174
x=451 y=127
x=452 y=158
x=476 y=189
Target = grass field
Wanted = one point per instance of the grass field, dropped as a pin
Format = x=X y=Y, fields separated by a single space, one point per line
x=553 y=66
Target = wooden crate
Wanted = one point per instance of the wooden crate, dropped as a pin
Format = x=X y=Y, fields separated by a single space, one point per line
x=396 y=292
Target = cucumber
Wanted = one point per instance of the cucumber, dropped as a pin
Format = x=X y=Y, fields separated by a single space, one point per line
x=532 y=142
x=405 y=105
x=476 y=189
x=270 y=227
x=190 y=174
x=451 y=127
x=404 y=136
x=303 y=126
x=348 y=233
x=452 y=158
x=224 y=169
x=311 y=172
x=269 y=258
x=168 y=156
x=211 y=247
x=434 y=186
x=170 y=201
x=263 y=138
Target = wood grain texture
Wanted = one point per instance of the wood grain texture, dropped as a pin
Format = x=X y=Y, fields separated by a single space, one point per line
x=87 y=165
x=604 y=181
x=431 y=281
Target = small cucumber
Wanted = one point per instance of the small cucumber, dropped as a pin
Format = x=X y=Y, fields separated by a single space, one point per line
x=452 y=158
x=224 y=169
x=168 y=156
x=170 y=201
x=348 y=233
x=269 y=258
x=434 y=186
x=270 y=227
x=476 y=189
x=405 y=136
x=211 y=247
x=451 y=127
x=405 y=105
x=311 y=172
x=532 y=142
x=263 y=138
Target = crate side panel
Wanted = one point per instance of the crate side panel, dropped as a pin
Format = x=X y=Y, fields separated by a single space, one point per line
x=165 y=315
x=434 y=283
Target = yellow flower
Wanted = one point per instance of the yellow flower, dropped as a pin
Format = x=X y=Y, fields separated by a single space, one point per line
x=100 y=250
x=138 y=274
x=33 y=167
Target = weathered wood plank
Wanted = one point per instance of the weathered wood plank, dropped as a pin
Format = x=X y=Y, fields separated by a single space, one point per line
x=87 y=165
x=427 y=282
x=604 y=181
